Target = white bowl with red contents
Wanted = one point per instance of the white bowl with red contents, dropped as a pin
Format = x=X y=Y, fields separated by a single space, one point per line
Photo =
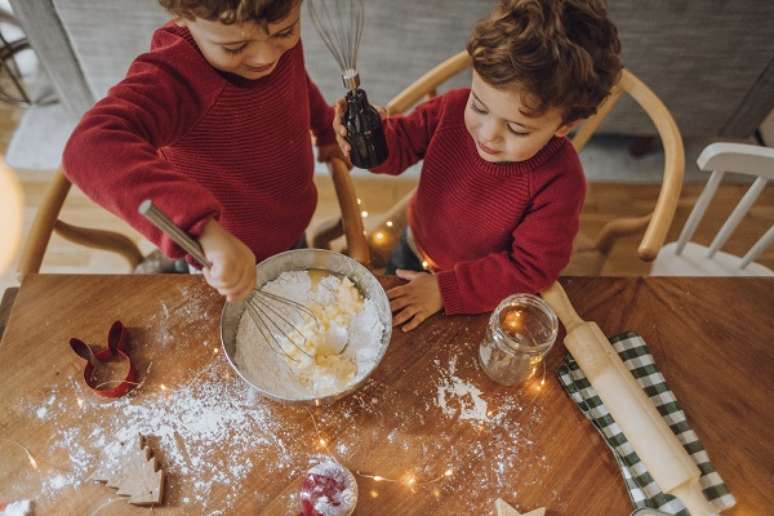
x=328 y=489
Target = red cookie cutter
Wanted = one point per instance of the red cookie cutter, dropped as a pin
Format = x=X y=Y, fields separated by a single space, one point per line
x=117 y=350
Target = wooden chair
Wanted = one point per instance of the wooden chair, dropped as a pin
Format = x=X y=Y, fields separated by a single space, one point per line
x=684 y=258
x=589 y=254
x=47 y=222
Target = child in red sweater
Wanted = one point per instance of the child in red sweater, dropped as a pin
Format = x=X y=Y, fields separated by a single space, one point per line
x=213 y=125
x=501 y=188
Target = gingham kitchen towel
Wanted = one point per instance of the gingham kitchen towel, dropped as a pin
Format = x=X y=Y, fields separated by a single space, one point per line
x=642 y=489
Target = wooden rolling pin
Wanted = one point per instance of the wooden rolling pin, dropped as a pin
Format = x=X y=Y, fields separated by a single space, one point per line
x=657 y=446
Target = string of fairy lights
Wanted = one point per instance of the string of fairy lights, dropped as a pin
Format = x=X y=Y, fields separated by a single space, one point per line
x=408 y=479
x=384 y=236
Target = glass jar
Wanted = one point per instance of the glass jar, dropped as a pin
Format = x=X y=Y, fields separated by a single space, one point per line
x=521 y=331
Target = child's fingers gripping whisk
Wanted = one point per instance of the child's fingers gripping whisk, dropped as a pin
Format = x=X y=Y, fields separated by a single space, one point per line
x=232 y=270
x=338 y=127
x=227 y=263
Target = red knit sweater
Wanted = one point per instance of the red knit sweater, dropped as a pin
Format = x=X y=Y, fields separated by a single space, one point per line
x=488 y=229
x=201 y=143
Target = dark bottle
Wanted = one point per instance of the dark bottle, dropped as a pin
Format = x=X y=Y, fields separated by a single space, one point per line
x=364 y=131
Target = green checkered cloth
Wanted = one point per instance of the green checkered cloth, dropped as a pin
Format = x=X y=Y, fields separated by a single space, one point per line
x=642 y=489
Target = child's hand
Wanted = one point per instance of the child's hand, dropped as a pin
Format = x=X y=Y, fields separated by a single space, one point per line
x=325 y=153
x=341 y=131
x=415 y=301
x=233 y=263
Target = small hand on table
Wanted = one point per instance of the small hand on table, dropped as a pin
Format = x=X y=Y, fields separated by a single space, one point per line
x=416 y=300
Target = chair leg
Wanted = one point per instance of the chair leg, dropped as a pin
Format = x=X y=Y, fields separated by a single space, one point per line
x=352 y=223
x=326 y=232
x=100 y=239
x=37 y=241
x=615 y=229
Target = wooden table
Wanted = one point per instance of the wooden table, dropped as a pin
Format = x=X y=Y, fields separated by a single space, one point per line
x=712 y=338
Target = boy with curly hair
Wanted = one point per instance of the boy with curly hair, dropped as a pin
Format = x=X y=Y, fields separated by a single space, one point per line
x=501 y=188
x=212 y=124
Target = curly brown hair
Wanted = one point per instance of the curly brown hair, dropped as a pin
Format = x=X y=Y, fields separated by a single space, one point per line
x=231 y=11
x=561 y=53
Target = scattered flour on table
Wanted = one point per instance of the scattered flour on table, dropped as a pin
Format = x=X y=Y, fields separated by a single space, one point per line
x=19 y=508
x=207 y=434
x=508 y=421
x=468 y=396
x=214 y=411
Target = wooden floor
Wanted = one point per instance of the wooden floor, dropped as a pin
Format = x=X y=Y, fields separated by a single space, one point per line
x=604 y=202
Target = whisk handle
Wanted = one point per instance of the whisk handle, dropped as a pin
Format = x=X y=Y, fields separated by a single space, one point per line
x=159 y=219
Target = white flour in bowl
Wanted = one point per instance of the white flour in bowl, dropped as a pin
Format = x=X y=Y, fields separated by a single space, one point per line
x=311 y=354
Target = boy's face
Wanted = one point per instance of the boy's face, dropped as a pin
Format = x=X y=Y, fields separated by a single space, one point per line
x=496 y=121
x=246 y=49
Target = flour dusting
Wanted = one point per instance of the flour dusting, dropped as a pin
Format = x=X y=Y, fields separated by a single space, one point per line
x=216 y=437
x=467 y=395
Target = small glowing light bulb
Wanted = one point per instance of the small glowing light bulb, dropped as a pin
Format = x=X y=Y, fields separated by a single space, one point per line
x=424 y=264
x=448 y=472
x=512 y=321
x=322 y=442
x=379 y=236
x=163 y=387
x=364 y=214
x=359 y=202
x=377 y=478
x=374 y=493
x=389 y=223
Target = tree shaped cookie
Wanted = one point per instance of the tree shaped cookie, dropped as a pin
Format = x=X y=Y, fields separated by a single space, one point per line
x=503 y=509
x=139 y=476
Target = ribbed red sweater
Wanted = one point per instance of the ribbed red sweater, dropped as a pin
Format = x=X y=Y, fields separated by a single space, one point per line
x=203 y=144
x=488 y=229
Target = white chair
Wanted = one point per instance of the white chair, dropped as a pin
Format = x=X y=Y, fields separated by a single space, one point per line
x=684 y=258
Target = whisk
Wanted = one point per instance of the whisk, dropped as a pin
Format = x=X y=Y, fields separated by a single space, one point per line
x=271 y=314
x=340 y=25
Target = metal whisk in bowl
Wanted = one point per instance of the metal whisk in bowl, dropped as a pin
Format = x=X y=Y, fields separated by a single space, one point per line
x=278 y=319
x=340 y=25
x=270 y=374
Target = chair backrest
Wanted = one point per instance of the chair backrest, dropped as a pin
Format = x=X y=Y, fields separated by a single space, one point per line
x=674 y=155
x=719 y=158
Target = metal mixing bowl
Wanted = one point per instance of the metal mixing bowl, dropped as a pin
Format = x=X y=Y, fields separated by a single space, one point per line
x=275 y=380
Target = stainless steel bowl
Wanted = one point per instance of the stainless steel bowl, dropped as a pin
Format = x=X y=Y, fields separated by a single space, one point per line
x=275 y=380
